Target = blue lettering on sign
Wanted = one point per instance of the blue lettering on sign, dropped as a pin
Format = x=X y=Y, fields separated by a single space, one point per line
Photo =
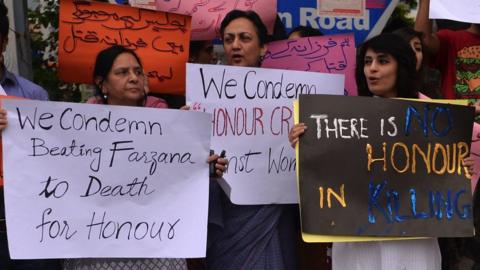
x=386 y=204
x=426 y=122
x=304 y=12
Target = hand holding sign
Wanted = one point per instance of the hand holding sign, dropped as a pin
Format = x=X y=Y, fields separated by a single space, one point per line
x=404 y=174
x=90 y=180
x=252 y=115
x=3 y=119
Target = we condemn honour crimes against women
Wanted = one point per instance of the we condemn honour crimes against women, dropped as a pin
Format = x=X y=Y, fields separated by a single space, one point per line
x=71 y=120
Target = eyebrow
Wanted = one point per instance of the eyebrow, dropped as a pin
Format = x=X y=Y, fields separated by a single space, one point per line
x=237 y=33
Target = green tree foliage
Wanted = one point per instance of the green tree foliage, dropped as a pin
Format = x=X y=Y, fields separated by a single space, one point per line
x=43 y=21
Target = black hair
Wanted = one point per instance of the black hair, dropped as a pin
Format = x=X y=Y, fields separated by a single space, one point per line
x=279 y=31
x=252 y=16
x=407 y=34
x=401 y=51
x=4 y=24
x=196 y=46
x=104 y=63
x=306 y=31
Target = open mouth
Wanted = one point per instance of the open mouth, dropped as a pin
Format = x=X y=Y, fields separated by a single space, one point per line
x=237 y=57
x=373 y=80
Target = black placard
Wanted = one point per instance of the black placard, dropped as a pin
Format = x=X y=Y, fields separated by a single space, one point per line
x=408 y=190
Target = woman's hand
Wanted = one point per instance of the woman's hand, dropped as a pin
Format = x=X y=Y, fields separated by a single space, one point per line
x=185 y=108
x=477 y=107
x=3 y=119
x=469 y=163
x=220 y=164
x=295 y=132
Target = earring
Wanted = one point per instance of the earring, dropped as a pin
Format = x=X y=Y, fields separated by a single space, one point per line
x=105 y=96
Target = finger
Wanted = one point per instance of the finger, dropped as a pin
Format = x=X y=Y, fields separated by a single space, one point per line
x=220 y=167
x=222 y=161
x=468 y=162
x=212 y=158
x=185 y=108
x=296 y=134
x=219 y=173
x=294 y=142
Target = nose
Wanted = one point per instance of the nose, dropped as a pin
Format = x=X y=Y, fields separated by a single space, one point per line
x=373 y=66
x=133 y=76
x=236 y=43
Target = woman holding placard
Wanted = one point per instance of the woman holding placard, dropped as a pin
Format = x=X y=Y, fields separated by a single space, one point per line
x=249 y=236
x=119 y=80
x=386 y=68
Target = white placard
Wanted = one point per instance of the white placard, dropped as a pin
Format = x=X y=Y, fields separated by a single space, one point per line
x=252 y=115
x=458 y=10
x=2 y=91
x=341 y=8
x=85 y=180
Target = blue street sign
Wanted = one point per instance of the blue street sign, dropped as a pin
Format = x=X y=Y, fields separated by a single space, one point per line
x=304 y=12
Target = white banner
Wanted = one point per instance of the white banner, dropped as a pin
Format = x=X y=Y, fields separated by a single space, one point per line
x=251 y=116
x=458 y=10
x=84 y=180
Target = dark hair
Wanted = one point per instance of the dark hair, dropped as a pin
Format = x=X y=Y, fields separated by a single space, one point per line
x=306 y=31
x=4 y=24
x=252 y=16
x=408 y=34
x=401 y=51
x=196 y=46
x=279 y=32
x=104 y=63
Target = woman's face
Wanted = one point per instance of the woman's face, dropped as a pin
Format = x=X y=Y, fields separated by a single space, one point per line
x=380 y=70
x=125 y=82
x=241 y=44
x=206 y=55
x=416 y=45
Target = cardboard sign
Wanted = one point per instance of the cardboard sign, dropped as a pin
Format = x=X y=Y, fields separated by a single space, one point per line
x=160 y=39
x=394 y=165
x=86 y=180
x=463 y=10
x=304 y=12
x=148 y=4
x=207 y=15
x=328 y=54
x=336 y=8
x=251 y=115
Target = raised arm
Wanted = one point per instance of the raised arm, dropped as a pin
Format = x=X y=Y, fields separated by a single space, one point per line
x=424 y=24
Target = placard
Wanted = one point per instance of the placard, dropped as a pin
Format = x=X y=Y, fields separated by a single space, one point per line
x=86 y=180
x=160 y=39
x=327 y=54
x=251 y=115
x=394 y=165
x=462 y=11
x=338 y=8
x=207 y=15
